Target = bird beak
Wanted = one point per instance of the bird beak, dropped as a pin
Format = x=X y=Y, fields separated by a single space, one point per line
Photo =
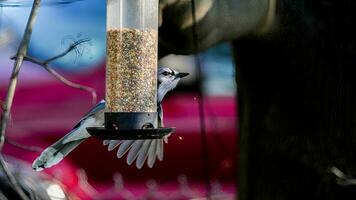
x=181 y=75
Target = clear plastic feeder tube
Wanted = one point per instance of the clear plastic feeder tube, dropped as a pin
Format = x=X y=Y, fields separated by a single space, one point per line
x=131 y=64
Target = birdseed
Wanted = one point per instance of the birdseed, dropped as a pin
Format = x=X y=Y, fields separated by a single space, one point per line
x=131 y=70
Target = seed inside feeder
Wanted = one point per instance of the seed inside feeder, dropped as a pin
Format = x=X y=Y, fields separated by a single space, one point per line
x=131 y=69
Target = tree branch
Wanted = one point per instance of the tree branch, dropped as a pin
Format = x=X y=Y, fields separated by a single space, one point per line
x=2 y=107
x=71 y=84
x=21 y=52
x=45 y=65
x=70 y=48
x=6 y=106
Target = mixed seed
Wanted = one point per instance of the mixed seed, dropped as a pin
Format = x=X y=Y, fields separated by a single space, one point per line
x=131 y=68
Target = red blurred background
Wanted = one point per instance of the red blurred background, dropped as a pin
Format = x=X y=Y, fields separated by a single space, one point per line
x=42 y=113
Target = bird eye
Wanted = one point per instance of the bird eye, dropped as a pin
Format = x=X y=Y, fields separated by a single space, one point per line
x=166 y=73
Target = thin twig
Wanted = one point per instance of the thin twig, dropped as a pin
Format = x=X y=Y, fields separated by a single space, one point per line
x=2 y=108
x=45 y=65
x=71 y=84
x=22 y=146
x=21 y=52
x=2 y=105
x=70 y=48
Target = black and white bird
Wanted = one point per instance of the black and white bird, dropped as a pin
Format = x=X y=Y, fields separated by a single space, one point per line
x=138 y=150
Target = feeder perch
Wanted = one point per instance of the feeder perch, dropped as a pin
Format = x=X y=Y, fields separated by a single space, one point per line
x=131 y=72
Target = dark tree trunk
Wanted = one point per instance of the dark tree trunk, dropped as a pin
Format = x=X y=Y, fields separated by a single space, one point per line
x=297 y=101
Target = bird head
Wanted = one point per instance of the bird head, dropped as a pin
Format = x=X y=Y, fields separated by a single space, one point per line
x=168 y=79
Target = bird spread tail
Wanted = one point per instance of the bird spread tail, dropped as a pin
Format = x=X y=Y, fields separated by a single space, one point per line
x=53 y=154
x=138 y=150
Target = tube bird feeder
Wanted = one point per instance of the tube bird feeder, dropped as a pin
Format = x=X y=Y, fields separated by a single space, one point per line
x=131 y=72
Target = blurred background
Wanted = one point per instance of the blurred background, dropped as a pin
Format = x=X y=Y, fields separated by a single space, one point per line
x=44 y=109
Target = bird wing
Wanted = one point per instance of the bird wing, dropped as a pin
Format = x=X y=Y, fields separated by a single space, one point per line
x=57 y=151
x=134 y=151
x=124 y=147
x=143 y=154
x=113 y=144
x=98 y=107
x=93 y=118
x=152 y=154
x=140 y=150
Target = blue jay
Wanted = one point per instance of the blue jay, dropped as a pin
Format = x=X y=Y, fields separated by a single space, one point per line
x=137 y=149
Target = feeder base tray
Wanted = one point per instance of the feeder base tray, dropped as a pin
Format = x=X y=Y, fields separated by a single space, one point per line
x=129 y=134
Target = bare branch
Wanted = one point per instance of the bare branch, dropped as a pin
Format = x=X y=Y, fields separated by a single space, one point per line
x=70 y=48
x=59 y=77
x=71 y=84
x=21 y=52
x=2 y=105
x=22 y=146
x=2 y=108
x=6 y=107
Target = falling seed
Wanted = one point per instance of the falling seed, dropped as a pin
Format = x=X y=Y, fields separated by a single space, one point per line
x=131 y=69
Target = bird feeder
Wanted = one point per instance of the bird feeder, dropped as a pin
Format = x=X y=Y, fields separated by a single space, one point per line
x=131 y=71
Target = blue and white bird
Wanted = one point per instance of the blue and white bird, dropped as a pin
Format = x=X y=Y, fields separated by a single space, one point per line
x=138 y=150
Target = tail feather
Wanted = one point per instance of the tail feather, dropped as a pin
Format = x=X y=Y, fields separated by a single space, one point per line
x=53 y=154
